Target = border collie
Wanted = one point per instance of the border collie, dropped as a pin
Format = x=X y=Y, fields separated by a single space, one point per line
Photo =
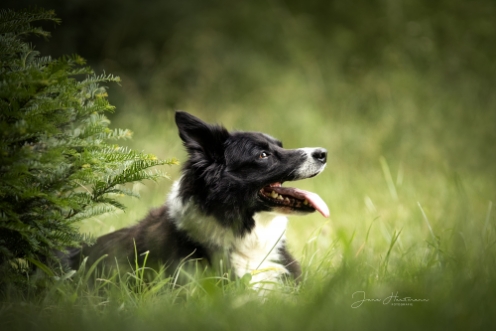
x=227 y=210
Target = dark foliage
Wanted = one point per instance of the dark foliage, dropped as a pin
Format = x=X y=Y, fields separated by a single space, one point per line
x=56 y=165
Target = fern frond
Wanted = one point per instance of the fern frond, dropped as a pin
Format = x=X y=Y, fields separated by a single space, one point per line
x=57 y=165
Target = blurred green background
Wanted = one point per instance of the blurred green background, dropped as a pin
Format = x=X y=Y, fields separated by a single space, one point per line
x=401 y=93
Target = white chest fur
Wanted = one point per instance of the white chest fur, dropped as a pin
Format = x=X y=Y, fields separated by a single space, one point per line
x=256 y=253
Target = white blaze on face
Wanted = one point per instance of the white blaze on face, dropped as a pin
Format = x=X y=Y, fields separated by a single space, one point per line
x=311 y=166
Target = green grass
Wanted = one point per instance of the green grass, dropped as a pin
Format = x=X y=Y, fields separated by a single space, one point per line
x=410 y=182
x=423 y=229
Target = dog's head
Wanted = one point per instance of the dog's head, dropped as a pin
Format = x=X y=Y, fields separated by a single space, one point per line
x=232 y=175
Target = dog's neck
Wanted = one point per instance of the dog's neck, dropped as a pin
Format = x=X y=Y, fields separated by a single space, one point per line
x=255 y=252
x=189 y=217
x=206 y=229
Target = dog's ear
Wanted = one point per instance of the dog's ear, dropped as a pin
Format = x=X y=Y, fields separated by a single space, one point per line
x=202 y=137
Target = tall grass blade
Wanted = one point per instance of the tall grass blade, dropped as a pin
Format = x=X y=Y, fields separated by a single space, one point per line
x=389 y=178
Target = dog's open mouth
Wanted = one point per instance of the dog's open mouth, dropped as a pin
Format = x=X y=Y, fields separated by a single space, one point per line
x=293 y=198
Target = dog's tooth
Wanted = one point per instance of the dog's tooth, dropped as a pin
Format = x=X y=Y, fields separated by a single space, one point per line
x=280 y=197
x=305 y=202
x=286 y=200
x=274 y=194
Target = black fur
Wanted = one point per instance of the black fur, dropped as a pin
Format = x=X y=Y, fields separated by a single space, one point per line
x=224 y=171
x=222 y=176
x=155 y=234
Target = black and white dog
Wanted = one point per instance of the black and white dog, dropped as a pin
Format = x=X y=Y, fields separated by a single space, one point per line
x=228 y=208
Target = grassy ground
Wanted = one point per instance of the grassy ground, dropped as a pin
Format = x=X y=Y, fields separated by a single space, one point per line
x=410 y=182
x=411 y=198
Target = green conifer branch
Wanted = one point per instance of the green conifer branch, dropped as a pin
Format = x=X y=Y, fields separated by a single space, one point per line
x=57 y=166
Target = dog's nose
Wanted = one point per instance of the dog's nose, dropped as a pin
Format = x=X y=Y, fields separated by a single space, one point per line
x=320 y=154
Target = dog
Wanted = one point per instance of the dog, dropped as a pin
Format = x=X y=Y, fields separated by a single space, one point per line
x=228 y=209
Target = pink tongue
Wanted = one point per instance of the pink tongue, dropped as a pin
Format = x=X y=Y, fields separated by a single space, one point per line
x=314 y=199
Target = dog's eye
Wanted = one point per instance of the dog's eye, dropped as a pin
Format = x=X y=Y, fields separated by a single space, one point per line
x=264 y=155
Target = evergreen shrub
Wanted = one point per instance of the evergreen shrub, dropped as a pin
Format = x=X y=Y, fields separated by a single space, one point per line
x=57 y=165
